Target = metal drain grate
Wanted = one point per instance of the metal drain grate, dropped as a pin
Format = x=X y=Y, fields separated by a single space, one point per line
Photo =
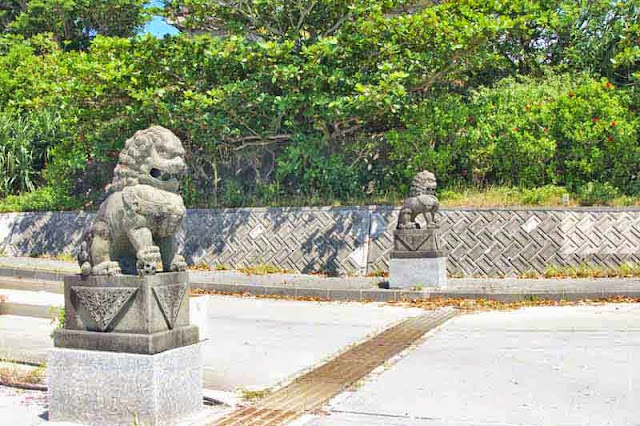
x=313 y=389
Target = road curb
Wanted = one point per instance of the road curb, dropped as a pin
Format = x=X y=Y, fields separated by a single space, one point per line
x=28 y=310
x=47 y=280
x=392 y=295
x=32 y=274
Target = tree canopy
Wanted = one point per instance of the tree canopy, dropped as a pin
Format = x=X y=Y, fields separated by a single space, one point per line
x=73 y=23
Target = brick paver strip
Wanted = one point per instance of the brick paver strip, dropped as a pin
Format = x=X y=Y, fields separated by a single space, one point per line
x=315 y=388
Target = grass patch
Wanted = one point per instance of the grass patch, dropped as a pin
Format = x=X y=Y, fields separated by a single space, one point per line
x=62 y=257
x=530 y=274
x=22 y=374
x=58 y=315
x=626 y=270
x=260 y=269
x=203 y=266
x=549 y=195
x=48 y=199
x=263 y=269
x=504 y=196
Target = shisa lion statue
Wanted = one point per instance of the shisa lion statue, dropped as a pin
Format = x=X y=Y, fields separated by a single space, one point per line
x=134 y=229
x=422 y=200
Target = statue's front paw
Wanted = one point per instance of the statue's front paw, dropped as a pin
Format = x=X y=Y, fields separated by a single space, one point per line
x=148 y=259
x=106 y=268
x=410 y=225
x=178 y=264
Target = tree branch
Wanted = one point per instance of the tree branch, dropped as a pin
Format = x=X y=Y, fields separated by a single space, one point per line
x=337 y=25
x=248 y=141
x=304 y=13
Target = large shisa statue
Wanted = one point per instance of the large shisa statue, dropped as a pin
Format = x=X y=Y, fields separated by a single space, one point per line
x=127 y=352
x=422 y=200
x=417 y=258
x=135 y=227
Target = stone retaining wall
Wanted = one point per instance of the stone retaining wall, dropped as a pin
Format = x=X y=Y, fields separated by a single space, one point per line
x=357 y=240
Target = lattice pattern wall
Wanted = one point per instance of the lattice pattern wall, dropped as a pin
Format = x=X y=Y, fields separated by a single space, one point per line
x=511 y=242
x=301 y=240
x=357 y=241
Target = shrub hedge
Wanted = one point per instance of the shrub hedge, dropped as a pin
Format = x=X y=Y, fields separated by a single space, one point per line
x=484 y=93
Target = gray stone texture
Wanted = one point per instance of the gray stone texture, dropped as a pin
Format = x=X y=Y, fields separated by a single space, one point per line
x=108 y=388
x=426 y=240
x=134 y=228
x=418 y=272
x=358 y=240
x=421 y=201
x=125 y=313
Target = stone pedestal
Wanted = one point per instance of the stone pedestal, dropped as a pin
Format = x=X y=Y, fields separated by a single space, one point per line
x=127 y=353
x=418 y=272
x=110 y=388
x=417 y=259
x=127 y=313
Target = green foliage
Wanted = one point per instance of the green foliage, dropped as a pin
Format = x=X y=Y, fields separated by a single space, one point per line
x=58 y=315
x=41 y=199
x=322 y=101
x=597 y=36
x=564 y=129
x=9 y=10
x=583 y=270
x=24 y=144
x=544 y=196
x=274 y=19
x=597 y=193
x=74 y=23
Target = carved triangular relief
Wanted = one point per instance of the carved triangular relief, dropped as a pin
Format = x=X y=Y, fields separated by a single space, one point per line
x=170 y=298
x=103 y=303
x=413 y=241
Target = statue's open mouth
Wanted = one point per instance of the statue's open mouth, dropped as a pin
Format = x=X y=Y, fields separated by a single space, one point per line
x=163 y=175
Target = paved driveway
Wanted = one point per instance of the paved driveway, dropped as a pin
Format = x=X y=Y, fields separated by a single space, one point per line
x=535 y=366
x=260 y=342
x=250 y=343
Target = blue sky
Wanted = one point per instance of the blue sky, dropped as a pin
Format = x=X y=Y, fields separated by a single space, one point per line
x=158 y=26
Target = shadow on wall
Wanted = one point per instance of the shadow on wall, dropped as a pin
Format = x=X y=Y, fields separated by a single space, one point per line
x=38 y=233
x=330 y=240
x=357 y=240
x=305 y=240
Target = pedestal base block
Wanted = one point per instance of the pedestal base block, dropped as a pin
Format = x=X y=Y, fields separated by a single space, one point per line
x=418 y=271
x=148 y=344
x=110 y=388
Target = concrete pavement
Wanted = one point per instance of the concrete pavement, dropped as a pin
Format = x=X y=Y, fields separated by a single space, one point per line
x=573 y=365
x=25 y=338
x=250 y=343
x=535 y=366
x=261 y=342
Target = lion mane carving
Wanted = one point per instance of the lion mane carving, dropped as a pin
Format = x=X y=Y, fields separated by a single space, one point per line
x=422 y=200
x=134 y=229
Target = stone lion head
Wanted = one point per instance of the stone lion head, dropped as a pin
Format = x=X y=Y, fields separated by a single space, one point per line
x=154 y=157
x=423 y=183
